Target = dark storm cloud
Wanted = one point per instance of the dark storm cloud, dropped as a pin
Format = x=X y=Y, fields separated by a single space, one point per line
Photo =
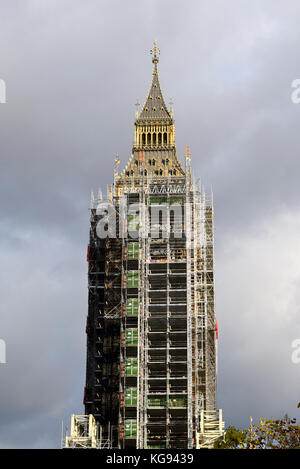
x=73 y=71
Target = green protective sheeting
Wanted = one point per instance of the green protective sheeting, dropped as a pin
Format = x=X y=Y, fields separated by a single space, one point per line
x=131 y=397
x=133 y=222
x=157 y=402
x=157 y=200
x=176 y=200
x=177 y=402
x=133 y=251
x=133 y=278
x=164 y=200
x=162 y=402
x=132 y=307
x=132 y=336
x=130 y=428
x=131 y=367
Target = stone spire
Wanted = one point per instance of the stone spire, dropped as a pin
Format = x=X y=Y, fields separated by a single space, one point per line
x=154 y=108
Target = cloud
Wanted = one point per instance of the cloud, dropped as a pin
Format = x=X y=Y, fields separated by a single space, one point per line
x=73 y=71
x=258 y=278
x=42 y=323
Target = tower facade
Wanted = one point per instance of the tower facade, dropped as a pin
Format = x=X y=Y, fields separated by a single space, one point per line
x=151 y=326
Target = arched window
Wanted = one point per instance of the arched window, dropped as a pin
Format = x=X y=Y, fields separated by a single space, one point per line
x=165 y=138
x=149 y=139
x=159 y=138
x=154 y=138
x=143 y=139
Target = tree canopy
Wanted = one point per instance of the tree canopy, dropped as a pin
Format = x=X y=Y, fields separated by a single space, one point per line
x=267 y=434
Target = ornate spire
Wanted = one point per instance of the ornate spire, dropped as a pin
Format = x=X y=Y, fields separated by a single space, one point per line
x=154 y=108
x=153 y=151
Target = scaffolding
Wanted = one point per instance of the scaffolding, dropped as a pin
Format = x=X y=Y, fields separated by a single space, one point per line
x=154 y=371
x=154 y=346
x=85 y=434
x=169 y=297
x=211 y=429
x=151 y=327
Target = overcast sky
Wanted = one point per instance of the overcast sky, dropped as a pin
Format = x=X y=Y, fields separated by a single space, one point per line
x=73 y=71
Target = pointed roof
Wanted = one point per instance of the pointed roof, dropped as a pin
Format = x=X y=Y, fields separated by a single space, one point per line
x=154 y=108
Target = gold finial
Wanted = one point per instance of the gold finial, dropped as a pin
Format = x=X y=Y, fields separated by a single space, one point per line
x=155 y=52
x=117 y=161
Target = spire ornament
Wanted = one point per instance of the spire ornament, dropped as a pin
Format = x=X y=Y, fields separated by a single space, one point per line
x=155 y=52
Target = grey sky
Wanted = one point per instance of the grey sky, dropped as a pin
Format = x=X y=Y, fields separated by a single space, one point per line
x=73 y=71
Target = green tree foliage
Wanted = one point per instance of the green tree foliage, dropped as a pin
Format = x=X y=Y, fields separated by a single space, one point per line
x=274 y=434
x=234 y=439
x=267 y=434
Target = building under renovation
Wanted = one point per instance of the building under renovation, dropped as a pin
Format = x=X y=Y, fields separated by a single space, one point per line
x=151 y=326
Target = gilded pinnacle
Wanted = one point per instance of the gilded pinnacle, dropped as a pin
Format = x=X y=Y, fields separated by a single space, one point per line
x=155 y=52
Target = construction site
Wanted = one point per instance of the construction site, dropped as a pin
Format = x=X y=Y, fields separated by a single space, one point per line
x=151 y=326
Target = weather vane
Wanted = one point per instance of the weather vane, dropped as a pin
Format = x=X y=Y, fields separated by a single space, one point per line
x=155 y=52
